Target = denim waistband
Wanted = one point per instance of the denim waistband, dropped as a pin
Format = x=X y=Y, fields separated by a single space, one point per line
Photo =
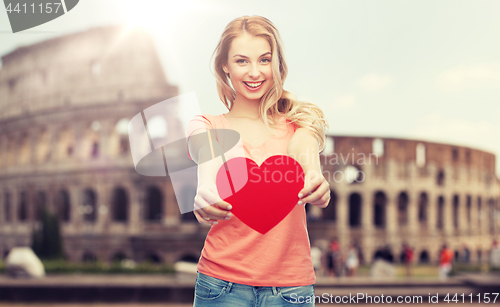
x=229 y=284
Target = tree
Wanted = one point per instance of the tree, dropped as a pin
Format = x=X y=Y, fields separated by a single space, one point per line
x=47 y=240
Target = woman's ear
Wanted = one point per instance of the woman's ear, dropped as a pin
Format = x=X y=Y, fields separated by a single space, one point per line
x=226 y=71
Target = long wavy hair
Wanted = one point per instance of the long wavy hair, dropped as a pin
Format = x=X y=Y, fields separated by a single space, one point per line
x=276 y=101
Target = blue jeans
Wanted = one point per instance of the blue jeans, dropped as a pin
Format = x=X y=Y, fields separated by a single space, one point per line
x=210 y=291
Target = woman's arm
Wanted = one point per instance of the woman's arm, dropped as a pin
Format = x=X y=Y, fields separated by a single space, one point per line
x=304 y=148
x=208 y=206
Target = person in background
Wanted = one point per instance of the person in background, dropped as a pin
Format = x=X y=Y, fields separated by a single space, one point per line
x=334 y=260
x=445 y=262
x=352 y=261
x=316 y=258
x=466 y=253
x=407 y=258
x=495 y=255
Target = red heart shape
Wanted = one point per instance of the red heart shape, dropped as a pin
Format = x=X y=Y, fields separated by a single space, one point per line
x=261 y=196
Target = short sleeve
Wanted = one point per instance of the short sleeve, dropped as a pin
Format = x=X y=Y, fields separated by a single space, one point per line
x=198 y=122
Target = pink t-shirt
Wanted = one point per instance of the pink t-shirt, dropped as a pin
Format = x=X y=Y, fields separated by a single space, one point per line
x=237 y=253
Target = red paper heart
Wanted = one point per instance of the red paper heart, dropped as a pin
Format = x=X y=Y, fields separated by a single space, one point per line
x=261 y=196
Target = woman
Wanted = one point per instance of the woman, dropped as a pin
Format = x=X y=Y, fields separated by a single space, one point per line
x=238 y=265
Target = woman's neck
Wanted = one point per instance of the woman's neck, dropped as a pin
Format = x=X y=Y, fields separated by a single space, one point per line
x=246 y=108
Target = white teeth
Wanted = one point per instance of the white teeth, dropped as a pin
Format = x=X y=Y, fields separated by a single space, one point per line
x=254 y=84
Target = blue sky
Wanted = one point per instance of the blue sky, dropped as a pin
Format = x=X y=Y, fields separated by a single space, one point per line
x=421 y=69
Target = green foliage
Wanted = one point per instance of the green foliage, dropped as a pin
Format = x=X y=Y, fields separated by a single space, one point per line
x=47 y=240
x=97 y=267
x=468 y=268
x=494 y=270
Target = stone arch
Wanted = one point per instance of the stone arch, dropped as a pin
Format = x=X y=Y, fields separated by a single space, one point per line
x=65 y=142
x=24 y=149
x=355 y=202
x=403 y=209
x=330 y=213
x=469 y=210
x=22 y=209
x=40 y=204
x=118 y=256
x=153 y=258
x=491 y=215
x=3 y=153
x=423 y=204
x=189 y=258
x=89 y=256
x=384 y=253
x=440 y=213
x=89 y=206
x=456 y=205
x=154 y=204
x=440 y=178
x=120 y=205
x=424 y=257
x=479 y=212
x=91 y=145
x=63 y=205
x=119 y=140
x=11 y=150
x=187 y=203
x=379 y=209
x=43 y=145
x=7 y=207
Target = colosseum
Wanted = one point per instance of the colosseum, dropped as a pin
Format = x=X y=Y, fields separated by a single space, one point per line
x=80 y=91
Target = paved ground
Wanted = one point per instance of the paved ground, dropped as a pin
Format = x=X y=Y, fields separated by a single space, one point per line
x=190 y=305
x=342 y=286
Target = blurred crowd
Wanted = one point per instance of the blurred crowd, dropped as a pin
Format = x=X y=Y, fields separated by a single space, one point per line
x=333 y=262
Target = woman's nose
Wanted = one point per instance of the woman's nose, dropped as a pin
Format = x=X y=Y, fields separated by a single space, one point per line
x=254 y=71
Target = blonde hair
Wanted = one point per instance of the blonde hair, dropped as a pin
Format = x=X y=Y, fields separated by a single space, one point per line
x=276 y=100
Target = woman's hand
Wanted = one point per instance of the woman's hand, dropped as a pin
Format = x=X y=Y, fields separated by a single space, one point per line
x=316 y=190
x=208 y=210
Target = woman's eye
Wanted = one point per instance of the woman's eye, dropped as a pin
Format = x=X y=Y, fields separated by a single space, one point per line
x=266 y=60
x=241 y=61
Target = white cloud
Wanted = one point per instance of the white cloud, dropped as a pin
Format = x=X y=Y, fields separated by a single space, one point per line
x=467 y=76
x=374 y=82
x=482 y=135
x=344 y=102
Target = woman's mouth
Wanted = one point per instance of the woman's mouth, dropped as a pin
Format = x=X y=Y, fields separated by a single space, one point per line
x=253 y=86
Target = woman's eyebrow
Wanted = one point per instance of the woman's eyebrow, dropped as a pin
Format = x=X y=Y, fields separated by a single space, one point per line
x=243 y=56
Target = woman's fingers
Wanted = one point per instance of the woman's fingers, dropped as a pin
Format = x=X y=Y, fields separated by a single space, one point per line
x=319 y=194
x=201 y=219
x=211 y=213
x=312 y=182
x=216 y=213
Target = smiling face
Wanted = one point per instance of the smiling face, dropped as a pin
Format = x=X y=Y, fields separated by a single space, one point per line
x=249 y=67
